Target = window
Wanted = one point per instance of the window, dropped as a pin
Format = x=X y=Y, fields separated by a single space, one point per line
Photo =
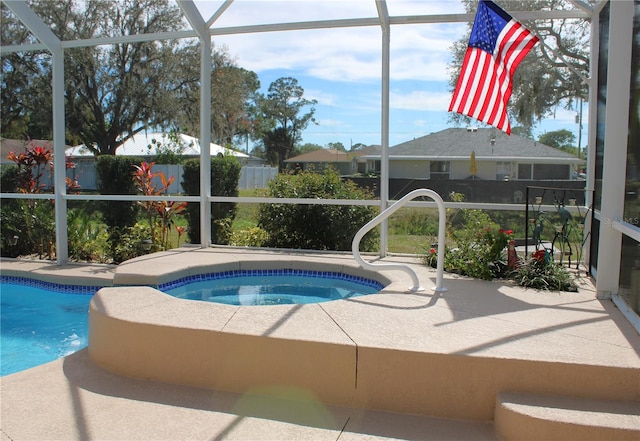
x=632 y=185
x=551 y=171
x=503 y=170
x=603 y=61
x=374 y=166
x=439 y=169
x=524 y=171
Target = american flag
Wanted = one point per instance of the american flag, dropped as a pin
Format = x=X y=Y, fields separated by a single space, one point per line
x=498 y=43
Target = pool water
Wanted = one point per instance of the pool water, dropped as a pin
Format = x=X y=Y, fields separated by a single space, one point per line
x=41 y=323
x=271 y=287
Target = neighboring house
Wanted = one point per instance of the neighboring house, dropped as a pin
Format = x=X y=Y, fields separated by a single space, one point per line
x=346 y=163
x=318 y=160
x=447 y=155
x=145 y=144
x=18 y=146
x=252 y=175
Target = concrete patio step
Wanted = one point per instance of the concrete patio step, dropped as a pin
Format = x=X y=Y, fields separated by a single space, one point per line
x=520 y=416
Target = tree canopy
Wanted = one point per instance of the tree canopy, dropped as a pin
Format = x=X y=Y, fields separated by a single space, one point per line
x=279 y=116
x=560 y=139
x=114 y=91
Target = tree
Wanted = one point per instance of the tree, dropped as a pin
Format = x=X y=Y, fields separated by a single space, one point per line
x=525 y=132
x=308 y=147
x=336 y=146
x=282 y=124
x=358 y=146
x=233 y=87
x=543 y=81
x=233 y=90
x=115 y=91
x=126 y=87
x=24 y=78
x=560 y=139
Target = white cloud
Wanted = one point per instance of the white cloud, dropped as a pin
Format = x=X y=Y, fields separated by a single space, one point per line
x=253 y=12
x=419 y=52
x=323 y=98
x=331 y=123
x=420 y=101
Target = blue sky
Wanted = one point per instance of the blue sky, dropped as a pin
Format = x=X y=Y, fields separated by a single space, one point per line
x=341 y=67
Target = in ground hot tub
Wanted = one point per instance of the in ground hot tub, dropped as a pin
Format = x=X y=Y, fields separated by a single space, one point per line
x=271 y=287
x=138 y=331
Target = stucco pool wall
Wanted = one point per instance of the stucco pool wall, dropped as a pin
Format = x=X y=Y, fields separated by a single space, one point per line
x=409 y=352
x=140 y=332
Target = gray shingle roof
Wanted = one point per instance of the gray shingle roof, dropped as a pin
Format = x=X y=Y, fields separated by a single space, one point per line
x=459 y=143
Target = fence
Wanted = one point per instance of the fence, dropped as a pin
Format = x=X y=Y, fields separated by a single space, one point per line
x=250 y=177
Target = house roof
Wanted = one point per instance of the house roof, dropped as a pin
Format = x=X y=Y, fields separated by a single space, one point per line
x=458 y=143
x=138 y=145
x=323 y=155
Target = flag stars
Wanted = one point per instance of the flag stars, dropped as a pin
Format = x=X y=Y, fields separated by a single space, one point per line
x=485 y=31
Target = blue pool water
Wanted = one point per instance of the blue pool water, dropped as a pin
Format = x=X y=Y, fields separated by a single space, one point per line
x=41 y=322
x=270 y=287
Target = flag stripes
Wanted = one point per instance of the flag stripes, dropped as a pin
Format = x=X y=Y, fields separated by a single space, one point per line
x=484 y=86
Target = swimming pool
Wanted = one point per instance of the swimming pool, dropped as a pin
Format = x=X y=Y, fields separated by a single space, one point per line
x=41 y=321
x=271 y=287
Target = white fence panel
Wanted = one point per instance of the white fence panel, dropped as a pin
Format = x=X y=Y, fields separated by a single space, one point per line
x=250 y=177
x=85 y=174
x=169 y=170
x=256 y=177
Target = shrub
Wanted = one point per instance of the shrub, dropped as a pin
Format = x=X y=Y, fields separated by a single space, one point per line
x=318 y=227
x=253 y=237
x=114 y=177
x=542 y=272
x=478 y=247
x=88 y=239
x=478 y=250
x=130 y=244
x=31 y=222
x=225 y=175
x=169 y=149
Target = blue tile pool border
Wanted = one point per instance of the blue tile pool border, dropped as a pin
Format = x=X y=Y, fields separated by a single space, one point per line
x=270 y=272
x=50 y=286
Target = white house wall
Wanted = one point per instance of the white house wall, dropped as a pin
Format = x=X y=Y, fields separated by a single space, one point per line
x=409 y=169
x=486 y=170
x=458 y=169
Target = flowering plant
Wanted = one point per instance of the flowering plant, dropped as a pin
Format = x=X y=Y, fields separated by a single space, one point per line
x=31 y=222
x=479 y=247
x=542 y=272
x=431 y=258
x=159 y=213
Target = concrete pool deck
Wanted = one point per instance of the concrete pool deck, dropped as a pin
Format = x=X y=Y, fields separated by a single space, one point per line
x=484 y=360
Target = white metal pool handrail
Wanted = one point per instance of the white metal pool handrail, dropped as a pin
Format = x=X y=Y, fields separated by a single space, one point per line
x=442 y=219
